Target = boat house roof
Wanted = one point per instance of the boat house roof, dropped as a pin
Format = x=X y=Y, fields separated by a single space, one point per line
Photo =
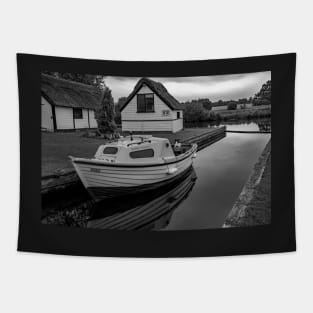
x=67 y=93
x=158 y=89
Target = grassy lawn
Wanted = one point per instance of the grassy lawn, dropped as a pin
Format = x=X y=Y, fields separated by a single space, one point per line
x=259 y=209
x=56 y=147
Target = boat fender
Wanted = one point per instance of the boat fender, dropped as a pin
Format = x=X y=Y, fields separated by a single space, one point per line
x=172 y=170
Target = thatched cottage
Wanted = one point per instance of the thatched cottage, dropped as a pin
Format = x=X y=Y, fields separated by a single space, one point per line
x=150 y=107
x=67 y=105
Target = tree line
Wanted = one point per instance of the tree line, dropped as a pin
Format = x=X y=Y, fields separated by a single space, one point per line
x=197 y=110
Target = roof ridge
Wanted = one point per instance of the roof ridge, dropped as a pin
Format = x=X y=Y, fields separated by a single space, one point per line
x=68 y=81
x=67 y=93
x=159 y=89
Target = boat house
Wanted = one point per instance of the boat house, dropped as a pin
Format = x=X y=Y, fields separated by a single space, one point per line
x=67 y=105
x=151 y=108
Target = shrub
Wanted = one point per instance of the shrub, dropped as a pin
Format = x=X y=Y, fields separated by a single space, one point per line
x=105 y=114
x=195 y=112
x=232 y=105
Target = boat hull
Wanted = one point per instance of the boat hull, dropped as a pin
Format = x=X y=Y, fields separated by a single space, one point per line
x=104 y=180
x=153 y=214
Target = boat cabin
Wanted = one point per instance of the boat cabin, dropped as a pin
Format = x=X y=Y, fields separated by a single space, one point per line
x=136 y=149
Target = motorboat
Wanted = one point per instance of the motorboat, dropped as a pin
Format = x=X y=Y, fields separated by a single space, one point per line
x=133 y=164
x=151 y=211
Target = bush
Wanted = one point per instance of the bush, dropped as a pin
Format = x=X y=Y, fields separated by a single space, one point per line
x=260 y=101
x=105 y=114
x=195 y=112
x=232 y=106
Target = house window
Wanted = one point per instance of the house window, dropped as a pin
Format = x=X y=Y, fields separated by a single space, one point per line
x=166 y=112
x=147 y=153
x=77 y=113
x=178 y=115
x=145 y=103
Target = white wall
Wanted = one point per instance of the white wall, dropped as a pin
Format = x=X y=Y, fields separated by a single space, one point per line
x=177 y=125
x=46 y=115
x=64 y=118
x=93 y=121
x=156 y=121
x=146 y=126
x=82 y=123
x=130 y=111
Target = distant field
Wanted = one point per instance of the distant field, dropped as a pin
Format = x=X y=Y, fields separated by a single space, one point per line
x=254 y=108
x=261 y=111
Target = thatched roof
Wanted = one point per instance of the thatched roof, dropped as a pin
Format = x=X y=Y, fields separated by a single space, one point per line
x=158 y=89
x=66 y=93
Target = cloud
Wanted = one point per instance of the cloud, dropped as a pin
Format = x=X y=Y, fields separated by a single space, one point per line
x=215 y=87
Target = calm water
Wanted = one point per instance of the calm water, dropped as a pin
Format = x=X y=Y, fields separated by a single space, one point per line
x=202 y=199
x=263 y=125
x=222 y=169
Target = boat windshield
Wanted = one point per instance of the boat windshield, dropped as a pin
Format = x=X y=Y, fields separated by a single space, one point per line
x=140 y=154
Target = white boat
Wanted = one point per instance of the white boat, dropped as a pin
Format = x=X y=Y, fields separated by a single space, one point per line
x=133 y=164
x=152 y=211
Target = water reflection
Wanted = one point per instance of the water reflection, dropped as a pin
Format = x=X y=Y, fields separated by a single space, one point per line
x=222 y=170
x=264 y=126
x=255 y=125
x=151 y=211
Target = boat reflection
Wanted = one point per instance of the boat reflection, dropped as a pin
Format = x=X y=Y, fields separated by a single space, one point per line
x=150 y=211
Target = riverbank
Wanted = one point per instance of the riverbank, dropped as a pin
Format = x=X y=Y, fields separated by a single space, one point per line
x=58 y=172
x=253 y=207
x=203 y=115
x=245 y=114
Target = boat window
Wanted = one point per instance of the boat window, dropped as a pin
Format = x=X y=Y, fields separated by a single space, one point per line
x=109 y=150
x=147 y=153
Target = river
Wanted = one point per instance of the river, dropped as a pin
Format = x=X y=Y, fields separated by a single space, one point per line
x=203 y=198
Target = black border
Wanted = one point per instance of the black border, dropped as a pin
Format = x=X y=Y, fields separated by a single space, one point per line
x=279 y=236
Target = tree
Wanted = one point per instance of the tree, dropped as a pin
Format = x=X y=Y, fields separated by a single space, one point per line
x=105 y=114
x=194 y=112
x=263 y=97
x=207 y=104
x=243 y=100
x=117 y=109
x=232 y=105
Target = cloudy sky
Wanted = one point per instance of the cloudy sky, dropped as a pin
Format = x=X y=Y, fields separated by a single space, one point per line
x=225 y=87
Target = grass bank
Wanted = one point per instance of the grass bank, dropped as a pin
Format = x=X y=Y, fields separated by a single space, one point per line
x=253 y=206
x=244 y=114
x=203 y=115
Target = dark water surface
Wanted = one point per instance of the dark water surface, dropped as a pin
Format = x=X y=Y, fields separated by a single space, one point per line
x=201 y=200
x=254 y=125
x=221 y=169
